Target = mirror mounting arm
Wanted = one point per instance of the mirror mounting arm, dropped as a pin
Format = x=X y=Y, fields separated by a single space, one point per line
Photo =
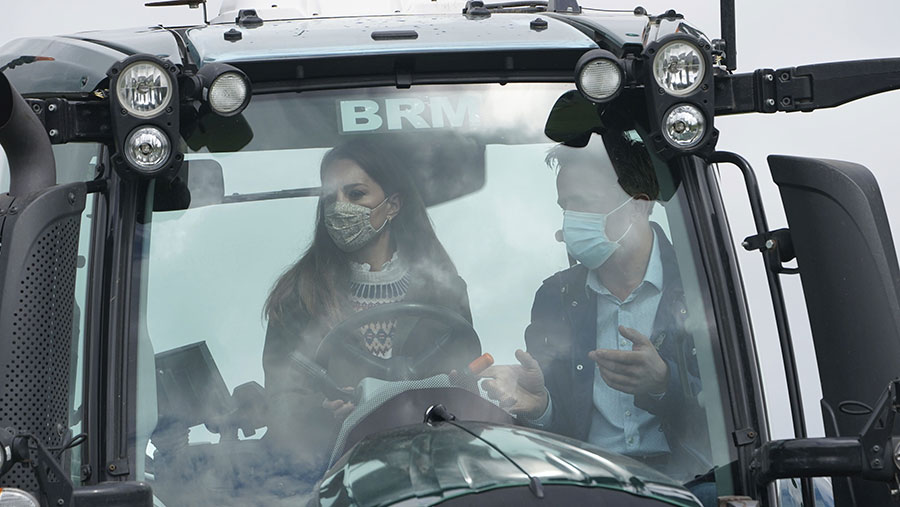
x=871 y=455
x=73 y=120
x=805 y=88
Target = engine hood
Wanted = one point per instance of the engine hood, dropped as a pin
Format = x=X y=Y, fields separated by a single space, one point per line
x=432 y=463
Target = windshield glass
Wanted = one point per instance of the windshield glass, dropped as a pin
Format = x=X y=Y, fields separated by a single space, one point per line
x=328 y=265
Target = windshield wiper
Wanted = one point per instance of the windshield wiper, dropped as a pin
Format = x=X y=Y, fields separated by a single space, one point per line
x=438 y=413
x=275 y=194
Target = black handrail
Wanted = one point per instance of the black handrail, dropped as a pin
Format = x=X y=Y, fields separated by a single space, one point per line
x=778 y=305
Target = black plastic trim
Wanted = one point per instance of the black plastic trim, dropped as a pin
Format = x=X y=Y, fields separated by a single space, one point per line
x=118 y=343
x=744 y=385
x=94 y=403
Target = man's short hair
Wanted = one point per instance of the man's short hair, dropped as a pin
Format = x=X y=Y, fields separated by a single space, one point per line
x=630 y=160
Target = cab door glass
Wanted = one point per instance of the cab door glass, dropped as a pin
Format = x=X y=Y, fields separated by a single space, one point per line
x=253 y=378
x=74 y=162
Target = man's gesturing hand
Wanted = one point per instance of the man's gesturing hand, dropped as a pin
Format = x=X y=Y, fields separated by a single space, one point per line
x=518 y=387
x=636 y=371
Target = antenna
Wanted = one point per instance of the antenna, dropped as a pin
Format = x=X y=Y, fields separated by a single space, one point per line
x=726 y=13
x=193 y=4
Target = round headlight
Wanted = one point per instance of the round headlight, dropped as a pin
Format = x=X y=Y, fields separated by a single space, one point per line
x=228 y=93
x=600 y=79
x=147 y=149
x=13 y=497
x=144 y=89
x=679 y=67
x=684 y=126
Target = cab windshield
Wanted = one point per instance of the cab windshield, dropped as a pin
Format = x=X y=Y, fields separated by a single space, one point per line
x=329 y=265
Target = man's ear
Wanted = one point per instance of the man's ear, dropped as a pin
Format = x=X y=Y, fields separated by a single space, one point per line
x=394 y=202
x=644 y=203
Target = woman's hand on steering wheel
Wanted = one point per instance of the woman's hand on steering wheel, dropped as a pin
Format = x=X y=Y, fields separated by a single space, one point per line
x=340 y=409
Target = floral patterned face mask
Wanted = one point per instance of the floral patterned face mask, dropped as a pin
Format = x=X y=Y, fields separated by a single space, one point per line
x=349 y=226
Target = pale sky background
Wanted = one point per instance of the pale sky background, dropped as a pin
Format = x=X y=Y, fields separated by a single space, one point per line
x=771 y=33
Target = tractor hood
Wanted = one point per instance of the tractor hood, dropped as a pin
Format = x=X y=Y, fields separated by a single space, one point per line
x=480 y=463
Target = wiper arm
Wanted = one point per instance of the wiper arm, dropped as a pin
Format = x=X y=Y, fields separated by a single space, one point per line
x=439 y=413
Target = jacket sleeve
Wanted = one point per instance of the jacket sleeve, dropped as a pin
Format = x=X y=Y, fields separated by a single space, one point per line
x=548 y=339
x=299 y=427
x=462 y=299
x=683 y=383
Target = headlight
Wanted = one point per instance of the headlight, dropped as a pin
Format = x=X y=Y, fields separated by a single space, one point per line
x=679 y=67
x=144 y=89
x=225 y=88
x=228 y=93
x=599 y=75
x=147 y=149
x=684 y=126
x=11 y=497
x=600 y=79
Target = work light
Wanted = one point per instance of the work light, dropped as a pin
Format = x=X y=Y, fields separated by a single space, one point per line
x=684 y=126
x=228 y=93
x=144 y=89
x=12 y=497
x=225 y=88
x=599 y=75
x=147 y=149
x=679 y=67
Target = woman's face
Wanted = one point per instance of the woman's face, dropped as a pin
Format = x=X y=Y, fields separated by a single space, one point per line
x=345 y=181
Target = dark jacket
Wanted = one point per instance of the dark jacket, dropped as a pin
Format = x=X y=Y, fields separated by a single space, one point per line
x=298 y=424
x=563 y=330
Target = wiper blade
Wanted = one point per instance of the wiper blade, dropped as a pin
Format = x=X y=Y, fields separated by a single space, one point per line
x=438 y=413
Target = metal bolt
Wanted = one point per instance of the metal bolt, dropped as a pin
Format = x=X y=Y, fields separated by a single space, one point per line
x=53 y=132
x=770 y=77
x=111 y=467
x=36 y=108
x=770 y=102
x=770 y=244
x=751 y=434
x=785 y=76
x=60 y=501
x=786 y=101
x=71 y=197
x=876 y=463
x=13 y=210
x=876 y=448
x=745 y=244
x=51 y=107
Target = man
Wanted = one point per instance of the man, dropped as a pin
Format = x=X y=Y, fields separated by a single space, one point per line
x=608 y=360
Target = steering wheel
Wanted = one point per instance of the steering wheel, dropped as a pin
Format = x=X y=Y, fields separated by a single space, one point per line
x=453 y=345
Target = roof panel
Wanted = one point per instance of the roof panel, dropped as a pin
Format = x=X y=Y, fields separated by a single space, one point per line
x=322 y=37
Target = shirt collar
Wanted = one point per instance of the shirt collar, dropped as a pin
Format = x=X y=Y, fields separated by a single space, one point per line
x=653 y=276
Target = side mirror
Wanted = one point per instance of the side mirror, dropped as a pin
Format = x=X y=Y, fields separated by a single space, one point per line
x=205 y=129
x=198 y=183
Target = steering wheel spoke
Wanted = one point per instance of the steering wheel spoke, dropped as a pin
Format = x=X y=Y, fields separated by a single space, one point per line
x=365 y=357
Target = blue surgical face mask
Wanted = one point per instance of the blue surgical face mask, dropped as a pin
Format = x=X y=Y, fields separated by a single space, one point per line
x=585 y=236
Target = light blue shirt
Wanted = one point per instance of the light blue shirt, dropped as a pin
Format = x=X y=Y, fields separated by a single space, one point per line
x=617 y=424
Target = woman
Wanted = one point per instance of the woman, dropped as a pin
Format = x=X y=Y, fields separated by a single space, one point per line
x=373 y=245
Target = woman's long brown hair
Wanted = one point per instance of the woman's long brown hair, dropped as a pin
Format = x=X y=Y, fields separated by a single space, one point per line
x=318 y=283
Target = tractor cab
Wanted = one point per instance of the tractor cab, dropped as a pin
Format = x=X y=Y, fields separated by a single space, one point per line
x=457 y=252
